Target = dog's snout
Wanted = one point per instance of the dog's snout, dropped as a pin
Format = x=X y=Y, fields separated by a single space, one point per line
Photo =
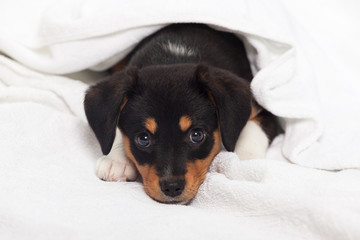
x=172 y=188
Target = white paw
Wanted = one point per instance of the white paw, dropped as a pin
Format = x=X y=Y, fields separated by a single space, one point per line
x=109 y=169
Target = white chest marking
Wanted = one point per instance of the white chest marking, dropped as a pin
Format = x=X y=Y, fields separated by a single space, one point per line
x=252 y=142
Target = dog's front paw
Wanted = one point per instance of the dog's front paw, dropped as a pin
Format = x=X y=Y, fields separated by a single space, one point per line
x=109 y=169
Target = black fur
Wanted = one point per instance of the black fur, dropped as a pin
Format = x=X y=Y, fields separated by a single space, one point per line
x=166 y=99
x=215 y=48
x=102 y=104
x=233 y=101
x=209 y=83
x=221 y=50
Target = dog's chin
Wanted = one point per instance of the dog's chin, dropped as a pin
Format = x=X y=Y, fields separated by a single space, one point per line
x=175 y=200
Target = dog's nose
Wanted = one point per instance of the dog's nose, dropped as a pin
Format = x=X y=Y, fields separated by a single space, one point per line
x=172 y=188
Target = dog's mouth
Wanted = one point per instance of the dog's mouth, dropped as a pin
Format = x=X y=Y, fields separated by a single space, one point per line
x=160 y=197
x=181 y=193
x=175 y=189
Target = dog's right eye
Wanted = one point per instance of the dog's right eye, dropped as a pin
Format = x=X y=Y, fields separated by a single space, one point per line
x=143 y=140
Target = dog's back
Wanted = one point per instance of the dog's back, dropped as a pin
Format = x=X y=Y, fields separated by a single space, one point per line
x=184 y=92
x=193 y=43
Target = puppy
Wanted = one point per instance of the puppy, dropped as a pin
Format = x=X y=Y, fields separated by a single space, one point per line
x=184 y=92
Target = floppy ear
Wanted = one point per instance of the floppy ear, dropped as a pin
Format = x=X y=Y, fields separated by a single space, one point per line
x=232 y=97
x=103 y=103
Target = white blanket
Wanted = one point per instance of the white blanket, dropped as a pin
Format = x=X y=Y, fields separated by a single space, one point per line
x=48 y=189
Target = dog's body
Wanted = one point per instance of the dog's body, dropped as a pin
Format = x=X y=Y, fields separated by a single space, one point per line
x=184 y=92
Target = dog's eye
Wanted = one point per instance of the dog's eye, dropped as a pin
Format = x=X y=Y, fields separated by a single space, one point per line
x=197 y=135
x=143 y=140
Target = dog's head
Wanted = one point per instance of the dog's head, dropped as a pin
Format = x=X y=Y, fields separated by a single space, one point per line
x=173 y=120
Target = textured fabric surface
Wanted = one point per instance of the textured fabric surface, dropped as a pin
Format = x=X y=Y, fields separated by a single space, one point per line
x=48 y=189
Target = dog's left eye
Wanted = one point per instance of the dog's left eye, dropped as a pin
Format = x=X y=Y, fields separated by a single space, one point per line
x=197 y=135
x=143 y=140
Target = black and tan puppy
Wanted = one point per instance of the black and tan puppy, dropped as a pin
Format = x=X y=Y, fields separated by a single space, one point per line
x=183 y=93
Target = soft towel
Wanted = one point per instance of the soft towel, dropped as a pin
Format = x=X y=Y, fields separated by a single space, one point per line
x=48 y=188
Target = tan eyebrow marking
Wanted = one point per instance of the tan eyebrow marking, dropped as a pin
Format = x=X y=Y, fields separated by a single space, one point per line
x=151 y=125
x=185 y=123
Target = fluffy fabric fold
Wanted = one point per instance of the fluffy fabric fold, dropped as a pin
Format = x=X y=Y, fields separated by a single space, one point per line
x=48 y=152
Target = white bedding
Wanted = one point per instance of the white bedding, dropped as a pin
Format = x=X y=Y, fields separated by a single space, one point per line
x=305 y=74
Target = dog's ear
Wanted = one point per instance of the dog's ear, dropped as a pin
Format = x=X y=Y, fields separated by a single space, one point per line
x=103 y=103
x=232 y=97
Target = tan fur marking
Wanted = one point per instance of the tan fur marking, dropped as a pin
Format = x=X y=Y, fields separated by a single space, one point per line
x=196 y=171
x=123 y=103
x=127 y=149
x=255 y=114
x=148 y=173
x=151 y=181
x=185 y=123
x=151 y=125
